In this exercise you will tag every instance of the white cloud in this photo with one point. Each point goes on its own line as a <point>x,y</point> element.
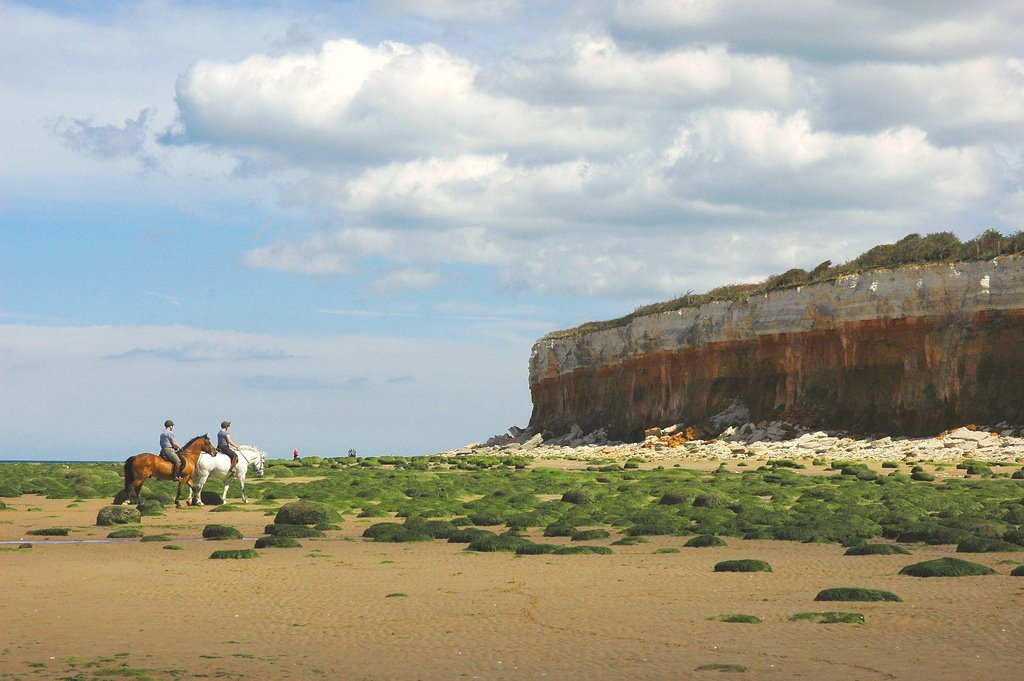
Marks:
<point>452,10</point>
<point>106,141</point>
<point>596,70</point>
<point>406,278</point>
<point>351,103</point>
<point>760,158</point>
<point>830,30</point>
<point>963,102</point>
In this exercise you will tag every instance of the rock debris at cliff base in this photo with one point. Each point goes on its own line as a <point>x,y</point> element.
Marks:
<point>998,445</point>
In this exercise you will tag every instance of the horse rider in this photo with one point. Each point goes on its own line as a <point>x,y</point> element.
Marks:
<point>226,445</point>
<point>169,450</point>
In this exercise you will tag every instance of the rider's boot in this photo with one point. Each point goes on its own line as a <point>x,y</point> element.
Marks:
<point>179,471</point>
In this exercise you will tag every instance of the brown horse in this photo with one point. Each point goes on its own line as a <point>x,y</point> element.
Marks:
<point>139,468</point>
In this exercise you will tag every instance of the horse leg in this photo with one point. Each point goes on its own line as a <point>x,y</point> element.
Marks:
<point>177,495</point>
<point>224,494</point>
<point>197,490</point>
<point>241,486</point>
<point>191,490</point>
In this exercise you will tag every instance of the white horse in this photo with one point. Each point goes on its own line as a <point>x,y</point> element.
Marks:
<point>217,466</point>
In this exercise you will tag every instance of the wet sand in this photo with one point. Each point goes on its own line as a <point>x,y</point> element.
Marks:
<point>346,608</point>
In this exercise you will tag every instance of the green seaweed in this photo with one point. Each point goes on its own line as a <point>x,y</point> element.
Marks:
<point>828,617</point>
<point>849,593</point>
<point>742,565</point>
<point>946,567</point>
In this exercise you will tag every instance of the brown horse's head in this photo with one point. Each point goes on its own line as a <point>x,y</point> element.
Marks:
<point>197,445</point>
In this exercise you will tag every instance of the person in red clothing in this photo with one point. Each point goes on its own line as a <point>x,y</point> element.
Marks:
<point>295,454</point>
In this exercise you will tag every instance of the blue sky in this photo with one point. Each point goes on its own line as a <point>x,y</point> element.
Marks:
<point>343,225</point>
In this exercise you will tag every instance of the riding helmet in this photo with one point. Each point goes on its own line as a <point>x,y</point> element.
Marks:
<point>168,423</point>
<point>225,424</point>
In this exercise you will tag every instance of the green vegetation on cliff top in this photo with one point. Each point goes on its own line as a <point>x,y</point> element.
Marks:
<point>912,249</point>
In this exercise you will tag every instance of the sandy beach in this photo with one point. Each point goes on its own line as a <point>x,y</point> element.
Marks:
<point>343,607</point>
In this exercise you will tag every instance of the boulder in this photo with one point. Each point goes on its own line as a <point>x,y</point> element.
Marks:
<point>118,515</point>
<point>736,414</point>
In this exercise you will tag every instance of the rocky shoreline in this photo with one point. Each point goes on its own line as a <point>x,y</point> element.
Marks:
<point>766,441</point>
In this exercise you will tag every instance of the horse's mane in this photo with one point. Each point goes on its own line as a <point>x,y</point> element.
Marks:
<point>197,437</point>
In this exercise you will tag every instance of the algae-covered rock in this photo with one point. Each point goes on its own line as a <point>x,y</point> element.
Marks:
<point>305,512</point>
<point>151,507</point>
<point>946,567</point>
<point>278,542</point>
<point>126,533</point>
<point>118,515</point>
<point>221,532</point>
<point>292,531</point>
<point>234,554</point>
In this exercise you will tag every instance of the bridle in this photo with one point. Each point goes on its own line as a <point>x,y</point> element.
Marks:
<point>248,462</point>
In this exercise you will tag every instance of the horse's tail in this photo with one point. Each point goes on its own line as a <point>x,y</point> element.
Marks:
<point>129,472</point>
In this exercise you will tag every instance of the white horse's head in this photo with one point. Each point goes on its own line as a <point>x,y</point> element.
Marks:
<point>256,457</point>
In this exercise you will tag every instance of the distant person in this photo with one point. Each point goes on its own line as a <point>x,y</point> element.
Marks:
<point>226,445</point>
<point>295,454</point>
<point>169,449</point>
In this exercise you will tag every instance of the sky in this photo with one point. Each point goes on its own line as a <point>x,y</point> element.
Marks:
<point>342,225</point>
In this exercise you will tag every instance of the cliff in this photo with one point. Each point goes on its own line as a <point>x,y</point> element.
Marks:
<point>913,351</point>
